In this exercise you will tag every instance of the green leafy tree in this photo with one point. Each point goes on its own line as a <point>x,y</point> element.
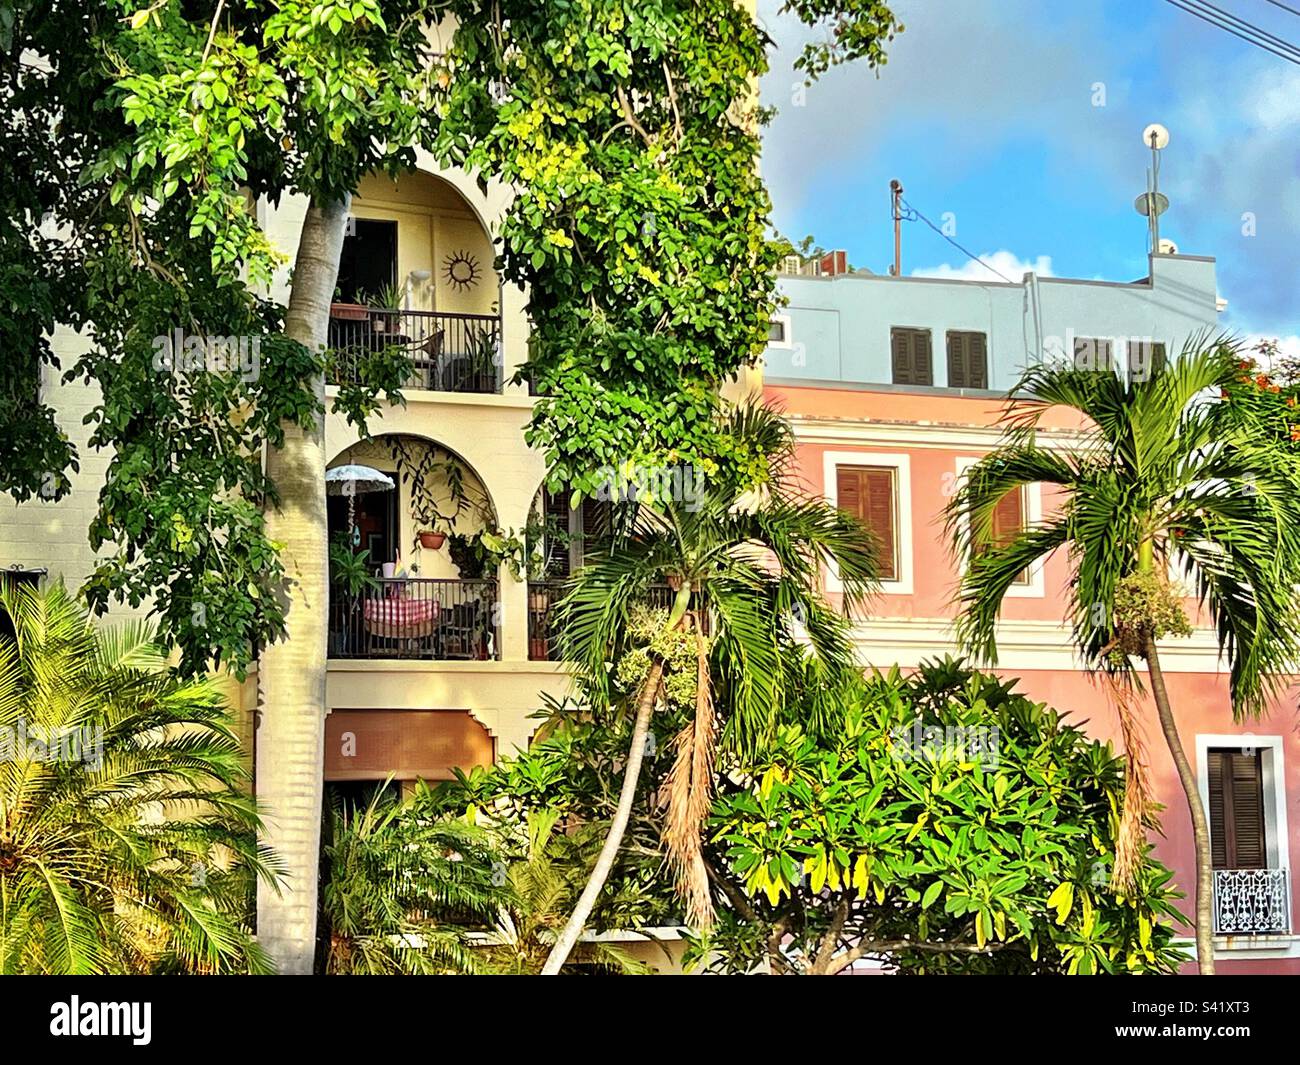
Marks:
<point>127,836</point>
<point>630,135</point>
<point>571,770</point>
<point>1164,476</point>
<point>744,565</point>
<point>638,224</point>
<point>951,826</point>
<point>402,893</point>
<point>544,880</point>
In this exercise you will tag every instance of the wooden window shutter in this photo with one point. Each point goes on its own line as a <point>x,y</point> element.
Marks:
<point>977,360</point>
<point>556,548</point>
<point>1008,517</point>
<point>910,356</point>
<point>1092,354</point>
<point>867,492</point>
<point>1008,520</point>
<point>1146,357</point>
<point>900,348</point>
<point>1237,835</point>
<point>967,360</point>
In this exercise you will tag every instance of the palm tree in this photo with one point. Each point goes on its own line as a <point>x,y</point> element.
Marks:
<point>127,835</point>
<point>404,891</point>
<point>743,563</point>
<point>1165,476</point>
<point>543,884</point>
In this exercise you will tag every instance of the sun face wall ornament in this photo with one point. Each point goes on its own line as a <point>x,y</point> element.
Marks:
<point>460,268</point>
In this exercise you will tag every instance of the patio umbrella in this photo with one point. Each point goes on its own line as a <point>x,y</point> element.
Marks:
<point>351,481</point>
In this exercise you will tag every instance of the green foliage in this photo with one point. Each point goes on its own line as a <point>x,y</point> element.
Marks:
<point>638,226</point>
<point>544,876</point>
<point>752,562</point>
<point>639,219</point>
<point>350,569</point>
<point>851,29</point>
<point>137,856</point>
<point>946,855</point>
<point>402,892</point>
<point>1164,476</point>
<point>572,772</point>
<point>1146,607</point>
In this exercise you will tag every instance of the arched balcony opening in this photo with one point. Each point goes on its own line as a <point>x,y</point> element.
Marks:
<point>417,273</point>
<point>566,538</point>
<point>407,579</point>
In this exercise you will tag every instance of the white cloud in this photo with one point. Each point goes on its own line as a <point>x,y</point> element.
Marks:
<point>1276,100</point>
<point>1006,263</point>
<point>1288,346</point>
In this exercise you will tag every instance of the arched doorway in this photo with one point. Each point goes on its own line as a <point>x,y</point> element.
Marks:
<point>416,273</point>
<point>406,580</point>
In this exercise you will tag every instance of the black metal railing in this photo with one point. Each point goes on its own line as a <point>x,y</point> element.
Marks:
<point>415,617</point>
<point>449,352</point>
<point>544,596</point>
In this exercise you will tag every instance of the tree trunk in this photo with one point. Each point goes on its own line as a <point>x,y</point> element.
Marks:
<point>1200,825</point>
<point>568,938</point>
<point>291,672</point>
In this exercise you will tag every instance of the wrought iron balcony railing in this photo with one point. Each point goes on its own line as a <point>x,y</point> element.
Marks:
<point>1251,902</point>
<point>410,617</point>
<point>449,352</point>
<point>544,596</point>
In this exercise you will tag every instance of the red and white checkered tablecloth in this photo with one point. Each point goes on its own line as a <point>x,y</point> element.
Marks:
<point>401,612</point>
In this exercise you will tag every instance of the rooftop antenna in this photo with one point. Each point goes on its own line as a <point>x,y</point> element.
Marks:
<point>1153,203</point>
<point>896,193</point>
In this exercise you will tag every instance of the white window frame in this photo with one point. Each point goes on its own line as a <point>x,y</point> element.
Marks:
<point>1277,838</point>
<point>902,466</point>
<point>1036,587</point>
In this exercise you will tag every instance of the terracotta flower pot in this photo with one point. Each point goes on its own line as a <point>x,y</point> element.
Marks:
<point>432,540</point>
<point>351,312</point>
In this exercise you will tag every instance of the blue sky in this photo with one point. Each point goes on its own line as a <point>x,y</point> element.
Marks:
<point>1023,118</point>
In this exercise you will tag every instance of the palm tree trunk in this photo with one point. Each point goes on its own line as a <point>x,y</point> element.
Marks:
<point>568,938</point>
<point>291,672</point>
<point>690,794</point>
<point>1200,825</point>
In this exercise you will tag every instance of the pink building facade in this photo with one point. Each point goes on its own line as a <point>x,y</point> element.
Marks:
<point>894,387</point>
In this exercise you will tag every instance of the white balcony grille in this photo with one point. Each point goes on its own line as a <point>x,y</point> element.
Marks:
<point>1251,902</point>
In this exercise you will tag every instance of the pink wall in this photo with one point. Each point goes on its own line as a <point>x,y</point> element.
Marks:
<point>1200,704</point>
<point>1200,700</point>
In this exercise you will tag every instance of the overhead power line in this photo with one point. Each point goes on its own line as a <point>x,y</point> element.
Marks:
<point>1240,28</point>
<point>1284,7</point>
<point>913,215</point>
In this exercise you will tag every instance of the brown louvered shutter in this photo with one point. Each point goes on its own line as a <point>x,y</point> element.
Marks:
<point>957,360</point>
<point>977,360</point>
<point>556,547</point>
<point>1236,810</point>
<point>1145,358</point>
<point>1092,354</point>
<point>900,348</point>
<point>911,357</point>
<point>1008,517</point>
<point>1008,520</point>
<point>967,360</point>
<point>597,526</point>
<point>867,492</point>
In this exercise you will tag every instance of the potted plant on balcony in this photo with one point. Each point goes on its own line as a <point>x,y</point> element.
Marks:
<point>422,467</point>
<point>350,577</point>
<point>470,370</point>
<point>384,305</point>
<point>348,311</point>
